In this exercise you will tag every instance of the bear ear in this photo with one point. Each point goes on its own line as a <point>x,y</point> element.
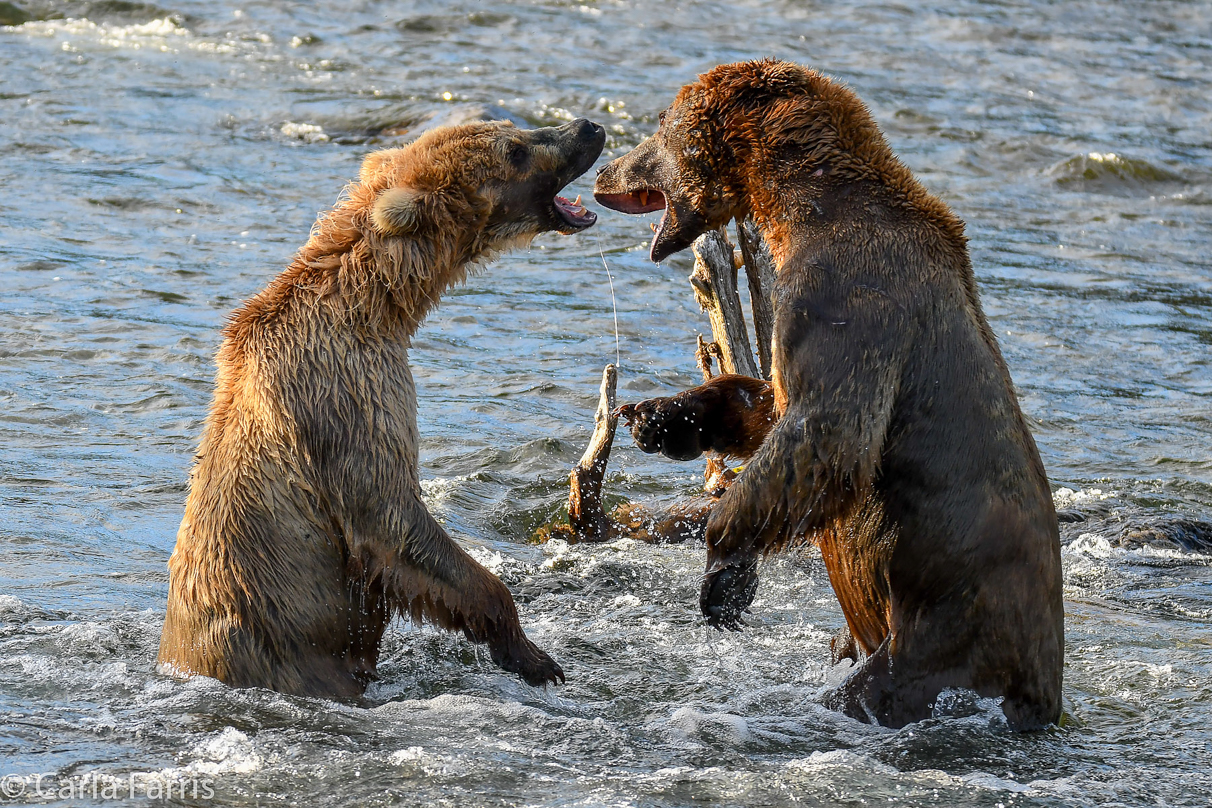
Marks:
<point>397,212</point>
<point>374,163</point>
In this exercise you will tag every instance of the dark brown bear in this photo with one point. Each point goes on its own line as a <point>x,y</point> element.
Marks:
<point>899,448</point>
<point>304,531</point>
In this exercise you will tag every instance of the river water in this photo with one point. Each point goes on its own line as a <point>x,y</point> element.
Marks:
<point>162,163</point>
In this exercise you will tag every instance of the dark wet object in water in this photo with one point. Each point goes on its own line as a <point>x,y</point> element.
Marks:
<point>1161,532</point>
<point>727,592</point>
<point>1188,535</point>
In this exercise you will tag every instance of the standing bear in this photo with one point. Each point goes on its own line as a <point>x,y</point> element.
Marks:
<point>304,530</point>
<point>898,445</point>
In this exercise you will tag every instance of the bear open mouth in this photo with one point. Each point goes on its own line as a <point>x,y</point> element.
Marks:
<point>644,200</point>
<point>574,214</point>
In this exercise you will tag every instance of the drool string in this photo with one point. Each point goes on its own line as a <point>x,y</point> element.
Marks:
<point>613,304</point>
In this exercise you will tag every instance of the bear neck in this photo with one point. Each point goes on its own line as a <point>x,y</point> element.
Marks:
<point>794,197</point>
<point>368,281</point>
<point>794,153</point>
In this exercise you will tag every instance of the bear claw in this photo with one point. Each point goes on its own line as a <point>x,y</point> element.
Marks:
<point>530,662</point>
<point>727,591</point>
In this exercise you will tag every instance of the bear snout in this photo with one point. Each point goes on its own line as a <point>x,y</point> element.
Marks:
<point>585,130</point>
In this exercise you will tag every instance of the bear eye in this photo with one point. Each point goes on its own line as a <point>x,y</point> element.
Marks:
<point>661,118</point>
<point>517,156</point>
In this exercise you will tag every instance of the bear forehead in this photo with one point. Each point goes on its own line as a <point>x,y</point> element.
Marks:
<point>743,85</point>
<point>467,151</point>
<point>691,103</point>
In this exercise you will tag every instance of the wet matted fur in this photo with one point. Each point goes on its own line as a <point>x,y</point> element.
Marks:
<point>304,529</point>
<point>899,446</point>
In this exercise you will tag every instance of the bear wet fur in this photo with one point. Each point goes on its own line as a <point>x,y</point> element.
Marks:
<point>304,530</point>
<point>899,446</point>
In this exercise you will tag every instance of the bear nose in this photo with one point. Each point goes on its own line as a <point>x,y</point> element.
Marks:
<point>584,129</point>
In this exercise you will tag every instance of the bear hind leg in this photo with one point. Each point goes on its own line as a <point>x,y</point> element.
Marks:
<point>867,690</point>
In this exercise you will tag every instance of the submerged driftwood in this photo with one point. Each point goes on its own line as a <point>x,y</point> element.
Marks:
<point>586,516</point>
<point>714,281</point>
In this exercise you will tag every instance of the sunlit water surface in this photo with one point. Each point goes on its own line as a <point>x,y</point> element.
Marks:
<point>160,164</point>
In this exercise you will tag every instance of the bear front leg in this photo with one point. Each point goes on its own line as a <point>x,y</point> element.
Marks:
<point>809,472</point>
<point>837,363</point>
<point>431,577</point>
<point>727,592</point>
<point>750,517</point>
<point>731,415</point>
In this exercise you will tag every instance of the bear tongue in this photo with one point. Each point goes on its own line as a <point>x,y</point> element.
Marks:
<point>644,200</point>
<point>574,211</point>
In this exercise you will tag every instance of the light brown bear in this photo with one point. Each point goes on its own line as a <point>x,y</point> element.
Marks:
<point>304,530</point>
<point>899,446</point>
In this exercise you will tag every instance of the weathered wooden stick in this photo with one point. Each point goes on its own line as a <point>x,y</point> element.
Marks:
<point>585,513</point>
<point>759,270</point>
<point>715,287</point>
<point>714,281</point>
<point>703,354</point>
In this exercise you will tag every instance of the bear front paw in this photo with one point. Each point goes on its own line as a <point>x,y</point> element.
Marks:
<point>727,591</point>
<point>666,425</point>
<point>528,661</point>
